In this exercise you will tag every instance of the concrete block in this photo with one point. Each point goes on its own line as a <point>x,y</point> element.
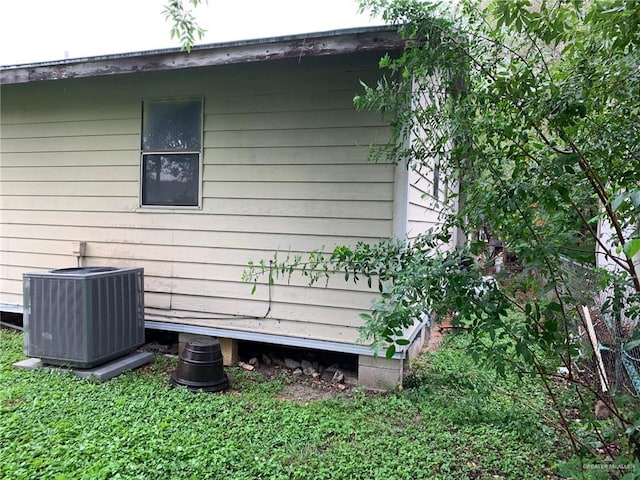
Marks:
<point>380,362</point>
<point>29,364</point>
<point>379,373</point>
<point>101,373</point>
<point>418,343</point>
<point>115,367</point>
<point>228,346</point>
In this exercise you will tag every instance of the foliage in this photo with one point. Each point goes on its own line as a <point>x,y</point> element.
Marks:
<point>184,26</point>
<point>535,117</point>
<point>532,108</point>
<point>412,278</point>
<point>55,425</point>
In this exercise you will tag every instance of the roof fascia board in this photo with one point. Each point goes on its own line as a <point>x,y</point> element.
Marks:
<point>299,46</point>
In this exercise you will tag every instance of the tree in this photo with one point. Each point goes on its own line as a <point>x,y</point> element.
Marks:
<point>184,26</point>
<point>534,110</point>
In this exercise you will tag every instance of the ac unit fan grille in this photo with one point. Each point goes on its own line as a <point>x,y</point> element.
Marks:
<point>83,320</point>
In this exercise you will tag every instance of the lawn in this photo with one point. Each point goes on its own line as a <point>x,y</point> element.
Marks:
<point>451,425</point>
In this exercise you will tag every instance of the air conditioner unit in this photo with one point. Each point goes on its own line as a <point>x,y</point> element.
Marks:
<point>83,317</point>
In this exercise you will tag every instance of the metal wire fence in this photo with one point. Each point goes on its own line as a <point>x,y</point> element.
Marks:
<point>601,334</point>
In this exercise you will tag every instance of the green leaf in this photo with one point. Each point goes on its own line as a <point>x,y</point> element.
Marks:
<point>563,191</point>
<point>632,247</point>
<point>631,345</point>
<point>555,307</point>
<point>391,351</point>
<point>402,341</point>
<point>617,201</point>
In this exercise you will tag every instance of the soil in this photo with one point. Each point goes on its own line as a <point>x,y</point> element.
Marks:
<point>435,339</point>
<point>298,388</point>
<point>307,389</point>
<point>301,390</point>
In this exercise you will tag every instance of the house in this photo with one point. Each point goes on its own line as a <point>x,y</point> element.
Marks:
<point>191,164</point>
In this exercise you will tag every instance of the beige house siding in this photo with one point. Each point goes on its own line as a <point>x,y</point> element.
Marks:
<point>428,189</point>
<point>426,198</point>
<point>423,207</point>
<point>284,168</point>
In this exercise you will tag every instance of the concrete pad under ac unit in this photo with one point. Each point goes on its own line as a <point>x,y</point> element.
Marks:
<point>101,373</point>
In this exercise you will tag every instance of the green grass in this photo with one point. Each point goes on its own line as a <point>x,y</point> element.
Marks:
<point>452,425</point>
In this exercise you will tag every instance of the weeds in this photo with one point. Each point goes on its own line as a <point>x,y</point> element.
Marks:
<point>452,425</point>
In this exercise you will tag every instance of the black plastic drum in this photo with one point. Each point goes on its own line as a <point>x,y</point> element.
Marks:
<point>200,367</point>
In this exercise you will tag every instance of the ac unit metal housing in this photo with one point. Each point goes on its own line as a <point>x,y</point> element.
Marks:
<point>83,317</point>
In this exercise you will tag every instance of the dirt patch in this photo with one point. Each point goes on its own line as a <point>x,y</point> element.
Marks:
<point>314,383</point>
<point>300,391</point>
<point>435,339</point>
<point>307,388</point>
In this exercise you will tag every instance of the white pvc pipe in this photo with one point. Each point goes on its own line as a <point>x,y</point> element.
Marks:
<point>594,343</point>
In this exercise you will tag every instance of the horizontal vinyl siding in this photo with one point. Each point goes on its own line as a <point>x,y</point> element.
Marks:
<point>423,210</point>
<point>218,206</point>
<point>283,224</point>
<point>71,143</point>
<point>285,168</point>
<point>62,130</point>
<point>31,159</point>
<point>164,236</point>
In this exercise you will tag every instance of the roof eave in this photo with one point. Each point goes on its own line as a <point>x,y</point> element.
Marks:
<point>259,50</point>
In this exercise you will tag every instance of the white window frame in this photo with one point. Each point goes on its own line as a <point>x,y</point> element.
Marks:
<point>144,153</point>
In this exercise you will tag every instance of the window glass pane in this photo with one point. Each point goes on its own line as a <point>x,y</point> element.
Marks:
<point>172,124</point>
<point>170,179</point>
<point>436,183</point>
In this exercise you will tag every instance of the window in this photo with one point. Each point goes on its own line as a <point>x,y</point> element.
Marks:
<point>171,152</point>
<point>436,183</point>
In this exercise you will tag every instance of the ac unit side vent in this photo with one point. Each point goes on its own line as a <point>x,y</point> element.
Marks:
<point>83,317</point>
